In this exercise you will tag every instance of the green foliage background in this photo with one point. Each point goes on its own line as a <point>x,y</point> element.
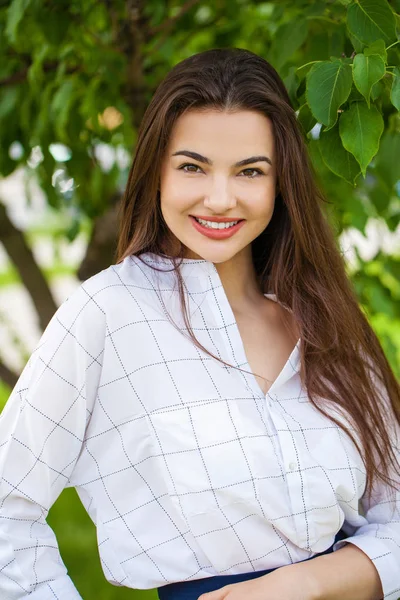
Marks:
<point>80,73</point>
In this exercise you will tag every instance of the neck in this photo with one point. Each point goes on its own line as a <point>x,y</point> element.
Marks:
<point>238,277</point>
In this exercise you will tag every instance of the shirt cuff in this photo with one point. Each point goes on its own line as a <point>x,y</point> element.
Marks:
<point>61,588</point>
<point>385,563</point>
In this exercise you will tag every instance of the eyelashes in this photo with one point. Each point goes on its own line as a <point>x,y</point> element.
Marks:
<point>256,172</point>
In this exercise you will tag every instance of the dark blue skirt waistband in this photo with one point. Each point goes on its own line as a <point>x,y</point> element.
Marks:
<point>191,590</point>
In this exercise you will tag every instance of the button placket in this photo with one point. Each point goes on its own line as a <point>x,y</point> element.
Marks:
<point>295,478</point>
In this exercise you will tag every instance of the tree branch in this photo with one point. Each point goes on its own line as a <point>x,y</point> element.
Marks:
<point>131,40</point>
<point>7,375</point>
<point>102,244</point>
<point>15,78</point>
<point>21,76</point>
<point>31,276</point>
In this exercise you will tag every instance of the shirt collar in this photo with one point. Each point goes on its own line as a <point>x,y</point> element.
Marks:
<point>201,277</point>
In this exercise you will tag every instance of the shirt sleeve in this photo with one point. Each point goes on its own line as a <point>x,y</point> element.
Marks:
<point>379,537</point>
<point>41,431</point>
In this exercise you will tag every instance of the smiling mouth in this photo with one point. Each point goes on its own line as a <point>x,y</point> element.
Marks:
<point>221,223</point>
<point>216,230</point>
<point>217,219</point>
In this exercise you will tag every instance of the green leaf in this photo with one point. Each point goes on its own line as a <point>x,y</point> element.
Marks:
<point>354,95</point>
<point>301,92</point>
<point>356,43</point>
<point>393,222</point>
<point>40,128</point>
<point>387,165</point>
<point>15,14</point>
<point>328,87</point>
<point>377,90</point>
<point>393,266</point>
<point>371,20</point>
<point>305,118</point>
<point>380,197</point>
<point>35,71</point>
<point>9,100</point>
<point>367,70</point>
<point>288,38</point>
<point>314,151</point>
<point>377,47</point>
<point>356,216</point>
<point>61,106</point>
<point>395,91</point>
<point>380,300</point>
<point>55,22</point>
<point>360,130</point>
<point>336,158</point>
<point>73,230</point>
<point>291,82</point>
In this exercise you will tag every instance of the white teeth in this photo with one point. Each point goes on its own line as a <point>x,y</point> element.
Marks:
<point>214,225</point>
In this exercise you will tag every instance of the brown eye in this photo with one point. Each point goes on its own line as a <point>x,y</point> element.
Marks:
<point>185,170</point>
<point>253,173</point>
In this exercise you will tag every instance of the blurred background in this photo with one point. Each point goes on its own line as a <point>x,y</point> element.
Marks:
<point>75,79</point>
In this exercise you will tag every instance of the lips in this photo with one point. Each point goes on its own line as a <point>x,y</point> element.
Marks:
<point>216,234</point>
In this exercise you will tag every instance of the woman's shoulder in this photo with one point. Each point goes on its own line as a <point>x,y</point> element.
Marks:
<point>104,293</point>
<point>102,290</point>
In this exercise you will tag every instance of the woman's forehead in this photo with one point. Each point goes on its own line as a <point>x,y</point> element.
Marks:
<point>215,132</point>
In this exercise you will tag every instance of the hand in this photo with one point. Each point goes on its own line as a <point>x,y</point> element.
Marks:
<point>289,582</point>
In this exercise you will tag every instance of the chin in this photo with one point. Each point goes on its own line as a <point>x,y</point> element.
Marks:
<point>212,256</point>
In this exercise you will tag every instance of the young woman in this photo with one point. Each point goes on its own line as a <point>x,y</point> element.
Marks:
<point>217,397</point>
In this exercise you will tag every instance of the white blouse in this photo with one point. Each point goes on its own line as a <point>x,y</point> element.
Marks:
<point>185,466</point>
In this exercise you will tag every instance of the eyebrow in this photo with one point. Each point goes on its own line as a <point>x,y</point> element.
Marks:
<point>204,159</point>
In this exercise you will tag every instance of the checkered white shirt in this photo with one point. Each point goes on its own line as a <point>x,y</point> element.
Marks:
<point>187,469</point>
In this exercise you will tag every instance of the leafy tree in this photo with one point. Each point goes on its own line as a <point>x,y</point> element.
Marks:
<point>81,72</point>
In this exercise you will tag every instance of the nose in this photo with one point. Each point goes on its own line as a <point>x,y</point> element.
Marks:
<point>220,197</point>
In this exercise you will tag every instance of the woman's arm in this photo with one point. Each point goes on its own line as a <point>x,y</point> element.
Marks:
<point>347,574</point>
<point>41,433</point>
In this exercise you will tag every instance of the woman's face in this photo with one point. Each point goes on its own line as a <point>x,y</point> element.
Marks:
<point>201,176</point>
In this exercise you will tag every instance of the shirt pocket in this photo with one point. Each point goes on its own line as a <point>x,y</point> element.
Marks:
<point>201,456</point>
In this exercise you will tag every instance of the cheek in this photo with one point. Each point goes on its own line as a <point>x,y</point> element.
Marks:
<point>176,192</point>
<point>262,201</point>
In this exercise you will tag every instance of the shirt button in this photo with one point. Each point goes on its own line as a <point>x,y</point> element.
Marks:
<point>292,466</point>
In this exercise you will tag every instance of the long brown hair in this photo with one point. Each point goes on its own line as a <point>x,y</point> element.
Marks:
<point>296,257</point>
